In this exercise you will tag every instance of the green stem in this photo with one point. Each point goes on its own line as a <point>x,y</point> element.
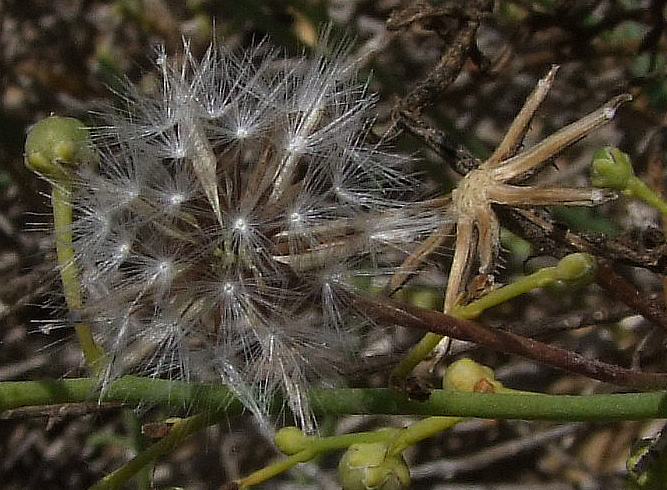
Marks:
<point>179,431</point>
<point>316,446</point>
<point>414,356</point>
<point>181,396</point>
<point>55,147</point>
<point>62,221</point>
<point>495,297</point>
<point>636,187</point>
<point>626,406</point>
<point>573,268</point>
<point>421,429</point>
<point>276,468</point>
<point>131,390</point>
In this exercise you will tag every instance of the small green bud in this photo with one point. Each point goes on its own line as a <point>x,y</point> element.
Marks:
<point>291,440</point>
<point>578,268</point>
<point>611,168</point>
<point>55,143</point>
<point>468,376</point>
<point>368,466</point>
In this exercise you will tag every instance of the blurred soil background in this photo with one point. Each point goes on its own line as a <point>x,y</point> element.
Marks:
<point>67,57</point>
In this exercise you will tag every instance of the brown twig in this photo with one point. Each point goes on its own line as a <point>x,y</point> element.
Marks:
<point>391,312</point>
<point>456,155</point>
<point>655,169</point>
<point>558,241</point>
<point>459,44</point>
<point>555,238</point>
<point>627,293</point>
<point>60,411</point>
<point>451,467</point>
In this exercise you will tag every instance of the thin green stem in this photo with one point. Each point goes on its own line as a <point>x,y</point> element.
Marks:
<point>636,187</point>
<point>414,356</point>
<point>495,297</point>
<point>395,441</point>
<point>572,268</point>
<point>316,445</point>
<point>276,468</point>
<point>55,147</point>
<point>69,275</point>
<point>183,396</point>
<point>421,429</point>
<point>179,431</point>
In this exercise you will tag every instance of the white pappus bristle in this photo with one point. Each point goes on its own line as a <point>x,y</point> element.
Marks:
<point>228,210</point>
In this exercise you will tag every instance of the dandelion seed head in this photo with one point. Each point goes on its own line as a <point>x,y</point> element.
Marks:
<point>123,250</point>
<point>222,230</point>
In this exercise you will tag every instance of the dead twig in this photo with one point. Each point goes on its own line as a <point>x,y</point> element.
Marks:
<point>458,27</point>
<point>60,411</point>
<point>626,292</point>
<point>391,312</point>
<point>559,241</point>
<point>449,468</point>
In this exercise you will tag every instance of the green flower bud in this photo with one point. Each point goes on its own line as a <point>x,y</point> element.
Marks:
<point>291,440</point>
<point>579,268</point>
<point>468,376</point>
<point>368,466</point>
<point>56,142</point>
<point>611,168</point>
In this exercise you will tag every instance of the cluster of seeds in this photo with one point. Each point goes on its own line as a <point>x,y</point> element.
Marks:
<point>228,214</point>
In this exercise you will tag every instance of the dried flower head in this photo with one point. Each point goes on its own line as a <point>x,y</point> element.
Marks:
<point>495,181</point>
<point>228,212</point>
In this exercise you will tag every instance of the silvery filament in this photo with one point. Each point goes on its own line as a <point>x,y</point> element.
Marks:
<point>229,211</point>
